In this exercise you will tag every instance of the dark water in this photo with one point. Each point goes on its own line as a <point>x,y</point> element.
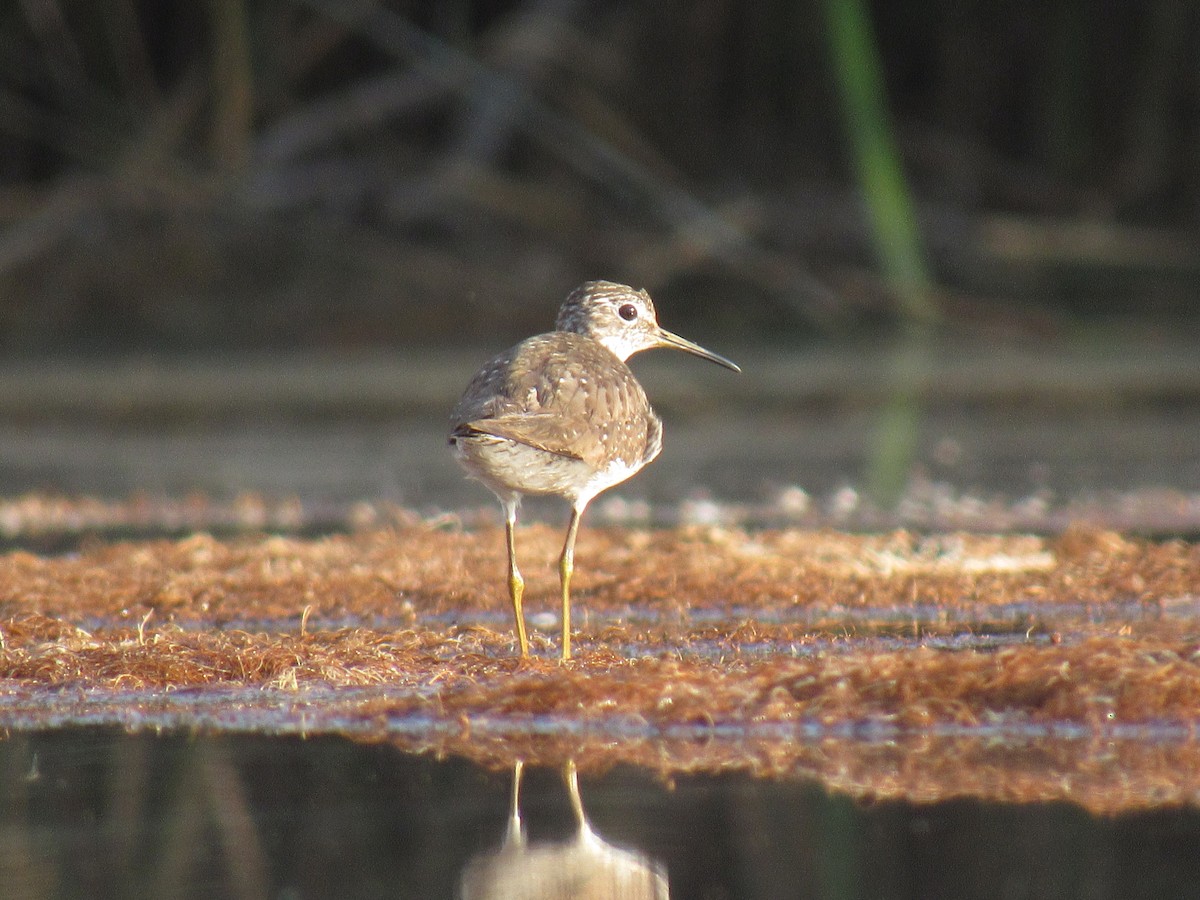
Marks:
<point>734,457</point>
<point>98,813</point>
<point>1081,427</point>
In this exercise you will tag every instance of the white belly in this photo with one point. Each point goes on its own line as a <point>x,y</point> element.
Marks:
<point>508,467</point>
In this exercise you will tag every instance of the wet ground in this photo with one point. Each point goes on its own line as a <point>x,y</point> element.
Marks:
<point>700,648</point>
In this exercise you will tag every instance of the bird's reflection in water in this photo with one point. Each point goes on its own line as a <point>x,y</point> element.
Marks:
<point>585,867</point>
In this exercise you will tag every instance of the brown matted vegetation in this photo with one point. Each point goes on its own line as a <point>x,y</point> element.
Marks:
<point>888,665</point>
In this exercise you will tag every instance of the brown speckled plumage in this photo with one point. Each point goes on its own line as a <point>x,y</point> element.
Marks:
<point>561,413</point>
<point>564,394</point>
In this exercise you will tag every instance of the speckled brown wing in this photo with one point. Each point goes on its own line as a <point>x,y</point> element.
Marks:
<point>563,393</point>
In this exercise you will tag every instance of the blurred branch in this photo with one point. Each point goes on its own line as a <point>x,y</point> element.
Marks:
<point>1085,242</point>
<point>233,112</point>
<point>159,141</point>
<point>1066,125</point>
<point>129,54</point>
<point>63,59</point>
<point>1170,47</point>
<point>76,141</point>
<point>496,103</point>
<point>56,216</point>
<point>588,153</point>
<point>146,167</point>
<point>365,104</point>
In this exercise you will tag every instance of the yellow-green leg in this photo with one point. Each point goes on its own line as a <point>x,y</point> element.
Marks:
<point>566,565</point>
<point>571,778</point>
<point>516,584</point>
<point>516,833</point>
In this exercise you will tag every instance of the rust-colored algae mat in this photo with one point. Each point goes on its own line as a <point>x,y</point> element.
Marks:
<point>897,665</point>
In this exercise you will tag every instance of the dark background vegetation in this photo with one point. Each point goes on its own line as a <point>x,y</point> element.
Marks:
<point>340,175</point>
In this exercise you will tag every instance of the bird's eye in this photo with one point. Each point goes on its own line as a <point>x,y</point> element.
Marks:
<point>628,312</point>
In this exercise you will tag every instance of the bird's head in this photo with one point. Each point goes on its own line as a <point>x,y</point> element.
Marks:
<point>624,321</point>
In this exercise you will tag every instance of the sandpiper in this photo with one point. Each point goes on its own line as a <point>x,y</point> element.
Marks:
<point>562,414</point>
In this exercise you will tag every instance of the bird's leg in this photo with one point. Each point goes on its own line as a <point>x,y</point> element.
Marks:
<point>516,584</point>
<point>566,565</point>
<point>516,831</point>
<point>571,778</point>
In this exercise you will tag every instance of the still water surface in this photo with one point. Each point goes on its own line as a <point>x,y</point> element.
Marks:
<point>100,813</point>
